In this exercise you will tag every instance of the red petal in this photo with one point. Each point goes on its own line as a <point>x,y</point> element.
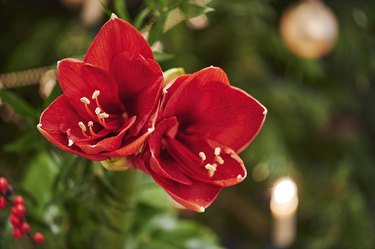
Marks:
<point>78,79</point>
<point>160,161</point>
<point>140,83</point>
<point>60,112</point>
<point>204,105</point>
<point>196,196</point>
<point>132,146</point>
<point>114,37</point>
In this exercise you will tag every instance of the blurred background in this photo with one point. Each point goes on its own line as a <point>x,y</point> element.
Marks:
<point>311,63</point>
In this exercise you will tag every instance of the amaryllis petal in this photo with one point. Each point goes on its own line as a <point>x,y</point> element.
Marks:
<point>81,80</point>
<point>160,162</point>
<point>216,110</point>
<point>51,122</point>
<point>196,196</point>
<point>114,37</point>
<point>132,146</point>
<point>140,81</point>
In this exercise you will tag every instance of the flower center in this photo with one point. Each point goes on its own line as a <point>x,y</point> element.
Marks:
<point>98,115</point>
<point>212,167</point>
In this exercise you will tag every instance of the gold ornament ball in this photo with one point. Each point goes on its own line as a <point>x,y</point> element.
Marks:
<point>309,29</point>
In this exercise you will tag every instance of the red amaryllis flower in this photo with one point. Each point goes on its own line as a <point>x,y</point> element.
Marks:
<point>108,98</point>
<point>202,123</point>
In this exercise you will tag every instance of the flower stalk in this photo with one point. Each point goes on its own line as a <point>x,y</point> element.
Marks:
<point>120,214</point>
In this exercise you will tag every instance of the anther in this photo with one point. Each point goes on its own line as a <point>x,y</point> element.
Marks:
<point>82,126</point>
<point>219,160</point>
<point>97,110</point>
<point>70,142</point>
<point>85,100</point>
<point>217,151</point>
<point>103,115</point>
<point>202,155</point>
<point>95,94</point>
<point>90,124</point>
<point>211,169</point>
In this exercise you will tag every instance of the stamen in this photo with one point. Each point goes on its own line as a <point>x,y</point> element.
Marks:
<point>202,156</point>
<point>90,124</point>
<point>97,110</point>
<point>103,115</point>
<point>95,94</point>
<point>211,169</point>
<point>82,126</point>
<point>85,100</point>
<point>217,151</point>
<point>219,160</point>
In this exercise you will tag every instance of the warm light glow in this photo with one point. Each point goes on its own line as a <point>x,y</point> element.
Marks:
<point>284,191</point>
<point>284,200</point>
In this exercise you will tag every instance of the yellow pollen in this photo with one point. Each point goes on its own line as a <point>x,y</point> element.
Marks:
<point>219,160</point>
<point>217,151</point>
<point>95,94</point>
<point>90,124</point>
<point>85,100</point>
<point>103,115</point>
<point>97,110</point>
<point>82,126</point>
<point>202,155</point>
<point>211,169</point>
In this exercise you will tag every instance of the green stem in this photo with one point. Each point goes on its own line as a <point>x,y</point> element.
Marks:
<point>120,214</point>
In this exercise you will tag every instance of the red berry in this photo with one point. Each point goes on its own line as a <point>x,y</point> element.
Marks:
<point>16,221</point>
<point>17,233</point>
<point>3,184</point>
<point>25,228</point>
<point>38,238</point>
<point>18,210</point>
<point>18,200</point>
<point>3,202</point>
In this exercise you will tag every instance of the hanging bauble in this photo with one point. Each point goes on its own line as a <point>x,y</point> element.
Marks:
<point>309,29</point>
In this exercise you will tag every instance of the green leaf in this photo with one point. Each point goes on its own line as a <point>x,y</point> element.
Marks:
<point>121,10</point>
<point>161,57</point>
<point>139,20</point>
<point>192,9</point>
<point>24,143</point>
<point>158,28</point>
<point>19,105</point>
<point>38,181</point>
<point>154,196</point>
<point>164,230</point>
